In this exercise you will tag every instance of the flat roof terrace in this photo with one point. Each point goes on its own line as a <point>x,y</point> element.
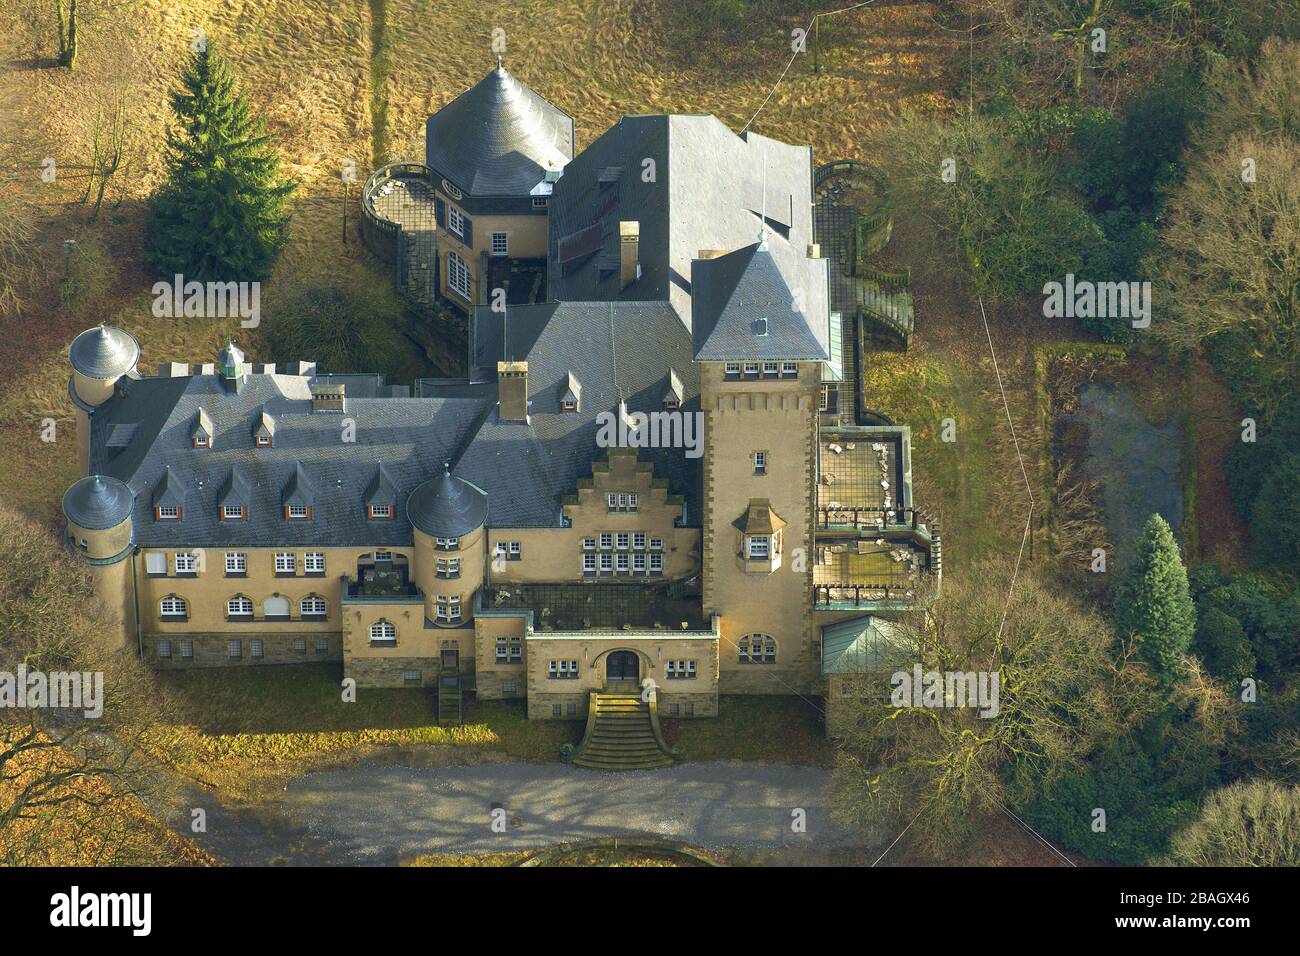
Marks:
<point>864,473</point>
<point>599,605</point>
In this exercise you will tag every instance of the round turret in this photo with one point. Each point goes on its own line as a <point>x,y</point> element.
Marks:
<point>447,515</point>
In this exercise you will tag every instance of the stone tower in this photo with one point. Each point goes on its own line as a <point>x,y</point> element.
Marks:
<point>99,357</point>
<point>99,528</point>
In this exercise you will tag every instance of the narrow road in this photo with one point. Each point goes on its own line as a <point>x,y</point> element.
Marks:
<point>373,815</point>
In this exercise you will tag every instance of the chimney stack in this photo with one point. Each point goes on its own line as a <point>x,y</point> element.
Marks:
<point>512,391</point>
<point>629,247</point>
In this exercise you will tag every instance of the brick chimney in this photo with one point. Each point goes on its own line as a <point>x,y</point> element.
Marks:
<point>629,249</point>
<point>512,391</point>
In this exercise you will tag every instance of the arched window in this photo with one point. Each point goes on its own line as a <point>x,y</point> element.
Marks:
<point>757,649</point>
<point>240,607</point>
<point>173,606</point>
<point>382,632</point>
<point>312,606</point>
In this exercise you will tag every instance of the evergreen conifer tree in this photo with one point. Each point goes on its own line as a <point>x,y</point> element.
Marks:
<point>1153,601</point>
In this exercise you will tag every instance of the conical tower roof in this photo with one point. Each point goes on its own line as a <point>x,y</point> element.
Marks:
<point>97,503</point>
<point>447,507</point>
<point>104,353</point>
<point>498,138</point>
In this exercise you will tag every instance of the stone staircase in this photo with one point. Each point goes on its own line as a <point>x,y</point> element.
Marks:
<point>449,698</point>
<point>622,734</point>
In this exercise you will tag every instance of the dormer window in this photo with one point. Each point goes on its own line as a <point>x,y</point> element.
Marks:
<point>167,513</point>
<point>264,430</point>
<point>297,512</point>
<point>379,511</point>
<point>673,392</point>
<point>760,326</point>
<point>758,547</point>
<point>200,441</point>
<point>202,432</point>
<point>263,441</point>
<point>571,400</point>
<point>233,512</point>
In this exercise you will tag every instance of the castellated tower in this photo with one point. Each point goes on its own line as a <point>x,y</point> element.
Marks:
<point>99,357</point>
<point>99,529</point>
<point>760,373</point>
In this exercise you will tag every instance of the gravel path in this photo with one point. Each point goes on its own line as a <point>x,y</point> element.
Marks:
<point>373,815</point>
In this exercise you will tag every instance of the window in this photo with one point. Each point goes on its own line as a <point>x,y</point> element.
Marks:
<point>381,556</point>
<point>606,563</point>
<point>621,540</point>
<point>239,608</point>
<point>447,608</point>
<point>759,547</point>
<point>757,649</point>
<point>556,711</point>
<point>681,670</point>
<point>451,190</point>
<point>235,649</point>
<point>200,441</point>
<point>771,368</point>
<point>449,567</point>
<point>516,551</point>
<point>588,564</point>
<point>656,544</point>
<point>313,562</point>
<point>760,463</point>
<point>174,607</point>
<point>187,650</point>
<point>381,511</point>
<point>298,512</point>
<point>382,632</point>
<point>571,709</point>
<point>638,563</point>
<point>300,645</point>
<point>751,368</point>
<point>414,678</point>
<point>236,562</point>
<point>638,540</point>
<point>674,710</point>
<point>509,687</point>
<point>232,512</point>
<point>656,564</point>
<point>444,544</point>
<point>622,502</point>
<point>285,562</point>
<point>539,202</point>
<point>456,221</point>
<point>825,399</point>
<point>607,539</point>
<point>322,645</point>
<point>731,369</point>
<point>588,544</point>
<point>510,650</point>
<point>186,562</point>
<point>457,275</point>
<point>623,564</point>
<point>312,607</point>
<point>569,405</point>
<point>168,513</point>
<point>688,710</point>
<point>789,368</point>
<point>263,441</point>
<point>500,244</point>
<point>155,562</point>
<point>164,648</point>
<point>562,670</point>
<point>255,648</point>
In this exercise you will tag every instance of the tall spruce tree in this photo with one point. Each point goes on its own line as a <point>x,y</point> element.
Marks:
<point>220,215</point>
<point>1153,601</point>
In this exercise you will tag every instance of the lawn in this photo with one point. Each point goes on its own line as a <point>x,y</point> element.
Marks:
<point>771,729</point>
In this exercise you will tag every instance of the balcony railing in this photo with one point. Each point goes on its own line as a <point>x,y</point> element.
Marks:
<point>867,595</point>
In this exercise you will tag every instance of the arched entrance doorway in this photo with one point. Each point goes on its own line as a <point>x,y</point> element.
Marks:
<point>622,666</point>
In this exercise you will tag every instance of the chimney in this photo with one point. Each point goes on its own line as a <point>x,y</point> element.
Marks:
<point>327,398</point>
<point>629,246</point>
<point>512,391</point>
<point>814,250</point>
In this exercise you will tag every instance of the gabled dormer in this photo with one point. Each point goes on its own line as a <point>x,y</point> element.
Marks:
<point>168,498</point>
<point>264,430</point>
<point>381,496</point>
<point>299,497</point>
<point>571,400</point>
<point>201,433</point>
<point>235,496</point>
<point>673,391</point>
<point>760,537</point>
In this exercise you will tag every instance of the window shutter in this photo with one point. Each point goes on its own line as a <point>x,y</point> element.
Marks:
<point>469,233</point>
<point>440,212</point>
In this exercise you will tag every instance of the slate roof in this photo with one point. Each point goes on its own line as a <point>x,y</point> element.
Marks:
<point>412,437</point>
<point>104,353</point>
<point>446,506</point>
<point>743,308</point>
<point>498,138</point>
<point>710,191</point>
<point>97,503</point>
<point>624,351</point>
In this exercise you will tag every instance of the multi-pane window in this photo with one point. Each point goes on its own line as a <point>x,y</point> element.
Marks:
<point>562,670</point>
<point>448,567</point>
<point>169,513</point>
<point>621,540</point>
<point>186,562</point>
<point>300,645</point>
<point>510,650</point>
<point>656,564</point>
<point>447,608</point>
<point>381,511</point>
<point>232,512</point>
<point>731,368</point>
<point>638,540</point>
<point>164,648</point>
<point>285,562</point>
<point>239,607</point>
<point>313,562</point>
<point>173,606</point>
<point>236,562</point>
<point>200,441</point>
<point>235,648</point>
<point>255,648</point>
<point>771,368</point>
<point>322,645</point>
<point>789,368</point>
<point>681,670</point>
<point>607,539</point>
<point>759,547</point>
<point>187,650</point>
<point>751,368</point>
<point>412,678</point>
<point>588,544</point>
<point>656,544</point>
<point>760,463</point>
<point>457,275</point>
<point>299,512</point>
<point>312,606</point>
<point>500,244</point>
<point>622,502</point>
<point>381,556</point>
<point>757,649</point>
<point>445,544</point>
<point>606,563</point>
<point>638,563</point>
<point>516,550</point>
<point>263,441</point>
<point>588,564</point>
<point>456,221</point>
<point>622,563</point>
<point>382,632</point>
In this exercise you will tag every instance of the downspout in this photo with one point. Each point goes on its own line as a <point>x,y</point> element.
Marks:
<point>135,604</point>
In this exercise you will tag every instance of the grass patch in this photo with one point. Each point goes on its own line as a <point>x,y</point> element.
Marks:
<point>792,732</point>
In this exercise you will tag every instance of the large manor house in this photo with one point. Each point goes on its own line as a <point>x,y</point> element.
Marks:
<point>477,535</point>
